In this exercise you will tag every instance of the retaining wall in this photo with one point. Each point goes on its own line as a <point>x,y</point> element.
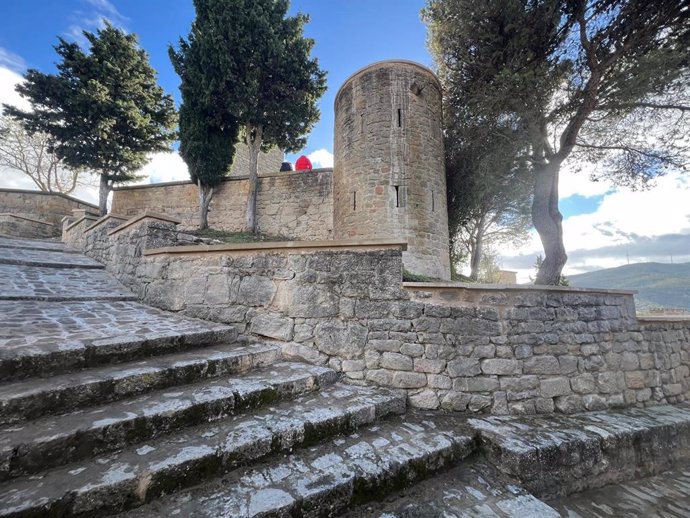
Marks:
<point>513,350</point>
<point>296,205</point>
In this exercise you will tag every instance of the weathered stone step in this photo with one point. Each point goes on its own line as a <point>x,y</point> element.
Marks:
<point>554,455</point>
<point>328,479</point>
<point>35,244</point>
<point>31,399</point>
<point>56,284</point>
<point>27,448</point>
<point>474,489</point>
<point>47,258</point>
<point>124,480</point>
<point>67,336</point>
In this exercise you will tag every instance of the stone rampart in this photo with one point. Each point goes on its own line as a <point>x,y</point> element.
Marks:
<point>22,226</point>
<point>40,206</point>
<point>511,350</point>
<point>297,205</point>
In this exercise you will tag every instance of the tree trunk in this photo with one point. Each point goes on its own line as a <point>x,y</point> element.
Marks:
<point>547,221</point>
<point>254,139</point>
<point>103,192</point>
<point>205,196</point>
<point>477,249</point>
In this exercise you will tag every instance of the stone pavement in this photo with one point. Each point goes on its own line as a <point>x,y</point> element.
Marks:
<point>108,406</point>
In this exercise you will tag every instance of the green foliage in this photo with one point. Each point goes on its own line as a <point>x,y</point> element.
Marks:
<point>263,75</point>
<point>603,81</point>
<point>103,109</point>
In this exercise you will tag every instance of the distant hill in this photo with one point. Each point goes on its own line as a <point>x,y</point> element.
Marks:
<point>658,284</point>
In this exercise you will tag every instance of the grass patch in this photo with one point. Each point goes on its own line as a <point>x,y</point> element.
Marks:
<point>237,237</point>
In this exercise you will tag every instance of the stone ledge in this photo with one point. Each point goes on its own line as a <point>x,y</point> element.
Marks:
<point>233,178</point>
<point>348,244</point>
<point>145,215</point>
<point>45,193</point>
<point>105,218</point>
<point>9,214</point>
<point>85,217</point>
<point>421,286</point>
<point>666,318</point>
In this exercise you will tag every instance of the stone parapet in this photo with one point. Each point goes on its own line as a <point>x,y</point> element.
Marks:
<point>23,226</point>
<point>469,348</point>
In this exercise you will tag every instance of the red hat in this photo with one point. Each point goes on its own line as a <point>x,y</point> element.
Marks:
<point>303,164</point>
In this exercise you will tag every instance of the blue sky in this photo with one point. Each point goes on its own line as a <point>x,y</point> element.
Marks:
<point>349,34</point>
<point>603,226</point>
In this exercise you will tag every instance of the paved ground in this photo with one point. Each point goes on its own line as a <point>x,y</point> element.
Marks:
<point>35,244</point>
<point>665,495</point>
<point>19,282</point>
<point>46,258</point>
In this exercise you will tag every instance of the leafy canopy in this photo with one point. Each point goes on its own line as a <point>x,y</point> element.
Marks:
<point>103,109</point>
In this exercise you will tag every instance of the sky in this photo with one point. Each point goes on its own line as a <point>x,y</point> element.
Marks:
<point>603,226</point>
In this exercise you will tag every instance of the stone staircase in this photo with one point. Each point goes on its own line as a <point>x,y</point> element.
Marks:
<point>106,404</point>
<point>110,407</point>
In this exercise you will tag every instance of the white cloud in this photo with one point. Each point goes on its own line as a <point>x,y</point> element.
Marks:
<point>635,226</point>
<point>164,167</point>
<point>575,179</point>
<point>321,158</point>
<point>8,95</point>
<point>93,18</point>
<point>12,61</point>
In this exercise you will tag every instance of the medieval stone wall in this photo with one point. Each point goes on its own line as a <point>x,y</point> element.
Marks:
<point>518,350</point>
<point>38,205</point>
<point>269,162</point>
<point>297,205</point>
<point>389,173</point>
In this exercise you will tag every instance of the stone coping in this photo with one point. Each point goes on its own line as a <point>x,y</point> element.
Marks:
<point>357,245</point>
<point>663,318</point>
<point>105,218</point>
<point>26,218</point>
<point>86,217</point>
<point>44,193</point>
<point>227,179</point>
<point>509,287</point>
<point>145,215</point>
<point>386,63</point>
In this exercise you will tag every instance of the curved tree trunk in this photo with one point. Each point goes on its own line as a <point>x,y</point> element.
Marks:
<point>205,196</point>
<point>103,192</point>
<point>547,221</point>
<point>254,139</point>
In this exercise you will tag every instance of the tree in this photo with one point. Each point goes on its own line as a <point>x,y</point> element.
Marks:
<point>597,80</point>
<point>30,154</point>
<point>266,78</point>
<point>103,110</point>
<point>207,135</point>
<point>490,267</point>
<point>488,192</point>
<point>562,281</point>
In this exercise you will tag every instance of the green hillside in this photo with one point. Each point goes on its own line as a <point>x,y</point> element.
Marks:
<point>658,284</point>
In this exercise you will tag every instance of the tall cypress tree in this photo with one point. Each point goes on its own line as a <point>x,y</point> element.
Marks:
<point>103,109</point>
<point>259,71</point>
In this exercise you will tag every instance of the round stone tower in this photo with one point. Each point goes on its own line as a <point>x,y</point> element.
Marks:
<point>389,178</point>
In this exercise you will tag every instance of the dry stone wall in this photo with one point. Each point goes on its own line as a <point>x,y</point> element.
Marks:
<point>42,206</point>
<point>22,226</point>
<point>504,351</point>
<point>297,205</point>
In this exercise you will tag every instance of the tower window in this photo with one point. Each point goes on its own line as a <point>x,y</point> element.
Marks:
<point>354,201</point>
<point>361,123</point>
<point>400,195</point>
<point>433,202</point>
<point>399,118</point>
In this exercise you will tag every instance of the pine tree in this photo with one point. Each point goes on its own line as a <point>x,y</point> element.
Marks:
<point>103,110</point>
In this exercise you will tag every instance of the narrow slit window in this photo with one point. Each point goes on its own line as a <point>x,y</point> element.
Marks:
<point>399,118</point>
<point>397,195</point>
<point>354,201</point>
<point>400,196</point>
<point>433,202</point>
<point>361,123</point>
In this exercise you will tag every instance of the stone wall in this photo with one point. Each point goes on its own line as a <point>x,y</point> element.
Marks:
<point>297,205</point>
<point>511,350</point>
<point>22,226</point>
<point>269,162</point>
<point>38,205</point>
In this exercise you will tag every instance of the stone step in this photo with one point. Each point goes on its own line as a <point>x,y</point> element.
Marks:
<point>35,244</point>
<point>328,479</point>
<point>31,399</point>
<point>129,478</point>
<point>45,443</point>
<point>57,284</point>
<point>47,258</point>
<point>67,336</point>
<point>474,489</point>
<point>553,456</point>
